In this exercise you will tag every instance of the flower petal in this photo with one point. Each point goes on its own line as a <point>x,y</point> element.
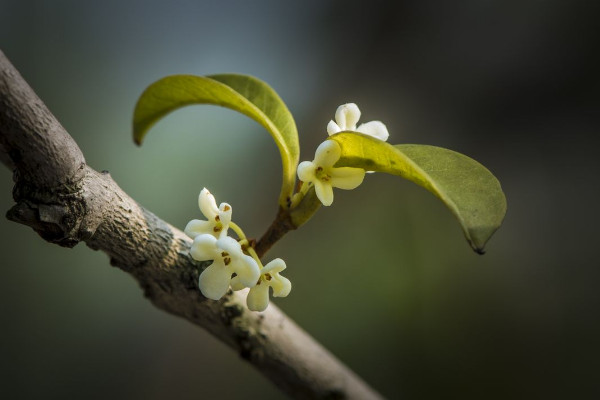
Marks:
<point>327,154</point>
<point>204,248</point>
<point>374,128</point>
<point>324,192</point>
<point>236,284</point>
<point>230,245</point>
<point>246,269</point>
<point>225,211</point>
<point>346,116</point>
<point>258,297</point>
<point>207,204</point>
<point>306,171</point>
<point>346,177</point>
<point>333,128</point>
<point>198,227</point>
<point>214,280</point>
<point>281,286</point>
<point>274,266</point>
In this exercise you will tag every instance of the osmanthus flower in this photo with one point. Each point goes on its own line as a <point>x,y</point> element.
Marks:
<point>258,296</point>
<point>218,218</point>
<point>346,118</point>
<point>228,258</point>
<point>324,176</point>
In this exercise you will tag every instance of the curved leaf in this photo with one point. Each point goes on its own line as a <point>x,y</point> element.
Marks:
<point>469,190</point>
<point>242,93</point>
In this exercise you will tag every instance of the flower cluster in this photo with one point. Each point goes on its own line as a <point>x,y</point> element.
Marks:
<point>321,172</point>
<point>233,265</point>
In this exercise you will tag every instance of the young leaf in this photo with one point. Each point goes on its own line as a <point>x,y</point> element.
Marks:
<point>242,93</point>
<point>467,188</point>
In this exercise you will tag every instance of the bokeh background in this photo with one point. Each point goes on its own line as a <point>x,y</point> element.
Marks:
<point>383,278</point>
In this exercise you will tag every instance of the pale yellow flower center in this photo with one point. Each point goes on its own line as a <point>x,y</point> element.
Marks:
<point>322,175</point>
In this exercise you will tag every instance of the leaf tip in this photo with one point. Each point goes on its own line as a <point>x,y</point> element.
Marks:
<point>479,238</point>
<point>477,245</point>
<point>138,134</point>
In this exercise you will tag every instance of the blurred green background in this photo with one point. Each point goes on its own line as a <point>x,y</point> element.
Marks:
<point>384,279</point>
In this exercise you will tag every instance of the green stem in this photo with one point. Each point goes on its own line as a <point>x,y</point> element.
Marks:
<point>253,254</point>
<point>299,195</point>
<point>238,231</point>
<point>306,208</point>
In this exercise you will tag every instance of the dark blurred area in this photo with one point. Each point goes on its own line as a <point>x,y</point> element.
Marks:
<point>384,278</point>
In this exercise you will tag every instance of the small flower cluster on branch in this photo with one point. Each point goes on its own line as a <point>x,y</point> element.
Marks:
<point>234,262</point>
<point>321,173</point>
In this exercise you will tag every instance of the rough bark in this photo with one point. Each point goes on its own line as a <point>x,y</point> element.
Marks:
<point>67,202</point>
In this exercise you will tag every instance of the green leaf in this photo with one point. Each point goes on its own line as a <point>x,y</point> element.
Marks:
<point>242,93</point>
<point>467,188</point>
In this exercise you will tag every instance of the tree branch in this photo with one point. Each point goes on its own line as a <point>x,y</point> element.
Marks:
<point>66,202</point>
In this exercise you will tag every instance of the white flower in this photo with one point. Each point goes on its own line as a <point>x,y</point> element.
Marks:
<point>228,259</point>
<point>322,174</point>
<point>218,219</point>
<point>258,296</point>
<point>346,118</point>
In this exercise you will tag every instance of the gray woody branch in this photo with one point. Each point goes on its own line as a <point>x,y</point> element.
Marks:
<point>67,202</point>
